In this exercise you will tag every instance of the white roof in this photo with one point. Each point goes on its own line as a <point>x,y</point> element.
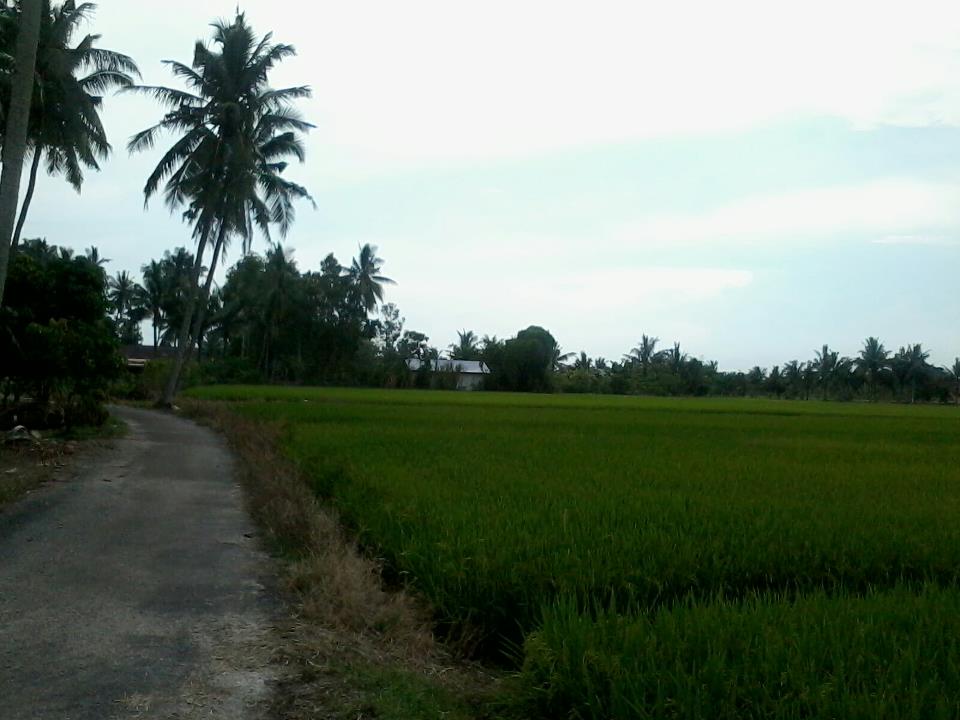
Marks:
<point>465,367</point>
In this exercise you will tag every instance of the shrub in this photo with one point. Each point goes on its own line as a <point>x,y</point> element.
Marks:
<point>57,346</point>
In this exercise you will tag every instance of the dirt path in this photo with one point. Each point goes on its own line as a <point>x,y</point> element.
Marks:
<point>135,589</point>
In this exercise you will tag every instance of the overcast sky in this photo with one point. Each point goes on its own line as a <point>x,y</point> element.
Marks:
<point>753,179</point>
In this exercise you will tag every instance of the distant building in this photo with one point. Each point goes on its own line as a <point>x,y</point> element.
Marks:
<point>137,356</point>
<point>470,373</point>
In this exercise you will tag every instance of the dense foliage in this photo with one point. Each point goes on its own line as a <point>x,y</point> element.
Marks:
<point>65,133</point>
<point>57,345</point>
<point>271,322</point>
<point>661,555</point>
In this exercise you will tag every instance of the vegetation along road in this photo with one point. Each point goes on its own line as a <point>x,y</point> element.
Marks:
<point>133,591</point>
<point>657,557</point>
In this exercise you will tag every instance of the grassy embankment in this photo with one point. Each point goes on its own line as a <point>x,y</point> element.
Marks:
<point>689,558</point>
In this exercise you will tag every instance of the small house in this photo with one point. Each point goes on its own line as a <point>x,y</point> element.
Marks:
<point>470,373</point>
<point>137,356</point>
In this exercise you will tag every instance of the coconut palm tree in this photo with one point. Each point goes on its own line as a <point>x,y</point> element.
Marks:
<point>126,298</point>
<point>793,377</point>
<point>93,255</point>
<point>17,126</point>
<point>121,292</point>
<point>559,358</point>
<point>65,131</point>
<point>154,292</point>
<point>583,362</point>
<point>645,353</point>
<point>235,134</point>
<point>676,358</point>
<point>825,364</point>
<point>466,347</point>
<point>278,287</point>
<point>366,280</point>
<point>953,373</point>
<point>910,367</point>
<point>872,362</point>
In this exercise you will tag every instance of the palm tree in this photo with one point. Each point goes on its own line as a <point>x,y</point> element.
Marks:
<point>583,362</point>
<point>910,366</point>
<point>17,126</point>
<point>676,359</point>
<point>93,255</point>
<point>776,382</point>
<point>278,285</point>
<point>645,352</point>
<point>825,365</point>
<point>366,279</point>
<point>126,299</point>
<point>235,134</point>
<point>954,374</point>
<point>120,293</point>
<point>154,291</point>
<point>793,377</point>
<point>466,347</point>
<point>65,126</point>
<point>873,361</point>
<point>558,357</point>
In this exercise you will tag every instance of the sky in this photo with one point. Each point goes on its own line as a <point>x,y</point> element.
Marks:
<point>751,179</point>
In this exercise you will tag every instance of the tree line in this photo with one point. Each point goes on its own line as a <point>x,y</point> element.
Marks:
<point>270,322</point>
<point>230,138</point>
<point>233,137</point>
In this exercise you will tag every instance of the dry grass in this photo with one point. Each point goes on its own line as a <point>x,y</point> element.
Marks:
<point>23,468</point>
<point>347,631</point>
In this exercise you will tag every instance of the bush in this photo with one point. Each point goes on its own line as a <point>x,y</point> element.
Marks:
<point>57,346</point>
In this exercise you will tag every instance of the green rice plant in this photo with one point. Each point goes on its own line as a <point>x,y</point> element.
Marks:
<point>892,654</point>
<point>517,516</point>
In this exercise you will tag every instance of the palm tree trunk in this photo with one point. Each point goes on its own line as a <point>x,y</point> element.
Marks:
<point>207,286</point>
<point>183,336</point>
<point>18,121</point>
<point>31,186</point>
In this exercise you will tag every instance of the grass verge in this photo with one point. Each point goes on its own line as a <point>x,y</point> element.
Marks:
<point>353,648</point>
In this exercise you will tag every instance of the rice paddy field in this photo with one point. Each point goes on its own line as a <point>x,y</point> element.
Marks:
<point>648,558</point>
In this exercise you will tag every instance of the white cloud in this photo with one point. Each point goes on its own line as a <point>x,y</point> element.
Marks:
<point>433,82</point>
<point>917,240</point>
<point>890,207</point>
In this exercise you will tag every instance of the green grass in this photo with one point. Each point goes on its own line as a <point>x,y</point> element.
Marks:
<point>698,514</point>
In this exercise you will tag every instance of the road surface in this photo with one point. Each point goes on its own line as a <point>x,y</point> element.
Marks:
<point>136,588</point>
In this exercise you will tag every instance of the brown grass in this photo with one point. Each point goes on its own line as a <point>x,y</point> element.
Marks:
<point>25,467</point>
<point>341,612</point>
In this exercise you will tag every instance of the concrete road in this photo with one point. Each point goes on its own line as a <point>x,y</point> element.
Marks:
<point>135,589</point>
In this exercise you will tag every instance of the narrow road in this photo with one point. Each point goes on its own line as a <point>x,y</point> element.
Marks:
<point>134,590</point>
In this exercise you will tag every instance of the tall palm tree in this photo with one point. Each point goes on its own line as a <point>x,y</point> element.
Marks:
<point>910,367</point>
<point>154,291</point>
<point>17,126</point>
<point>953,373</point>
<point>121,291</point>
<point>825,365</point>
<point>235,134</point>
<point>466,347</point>
<point>366,279</point>
<point>793,376</point>
<point>65,127</point>
<point>873,361</point>
<point>558,357</point>
<point>278,283</point>
<point>645,352</point>
<point>676,358</point>
<point>93,255</point>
